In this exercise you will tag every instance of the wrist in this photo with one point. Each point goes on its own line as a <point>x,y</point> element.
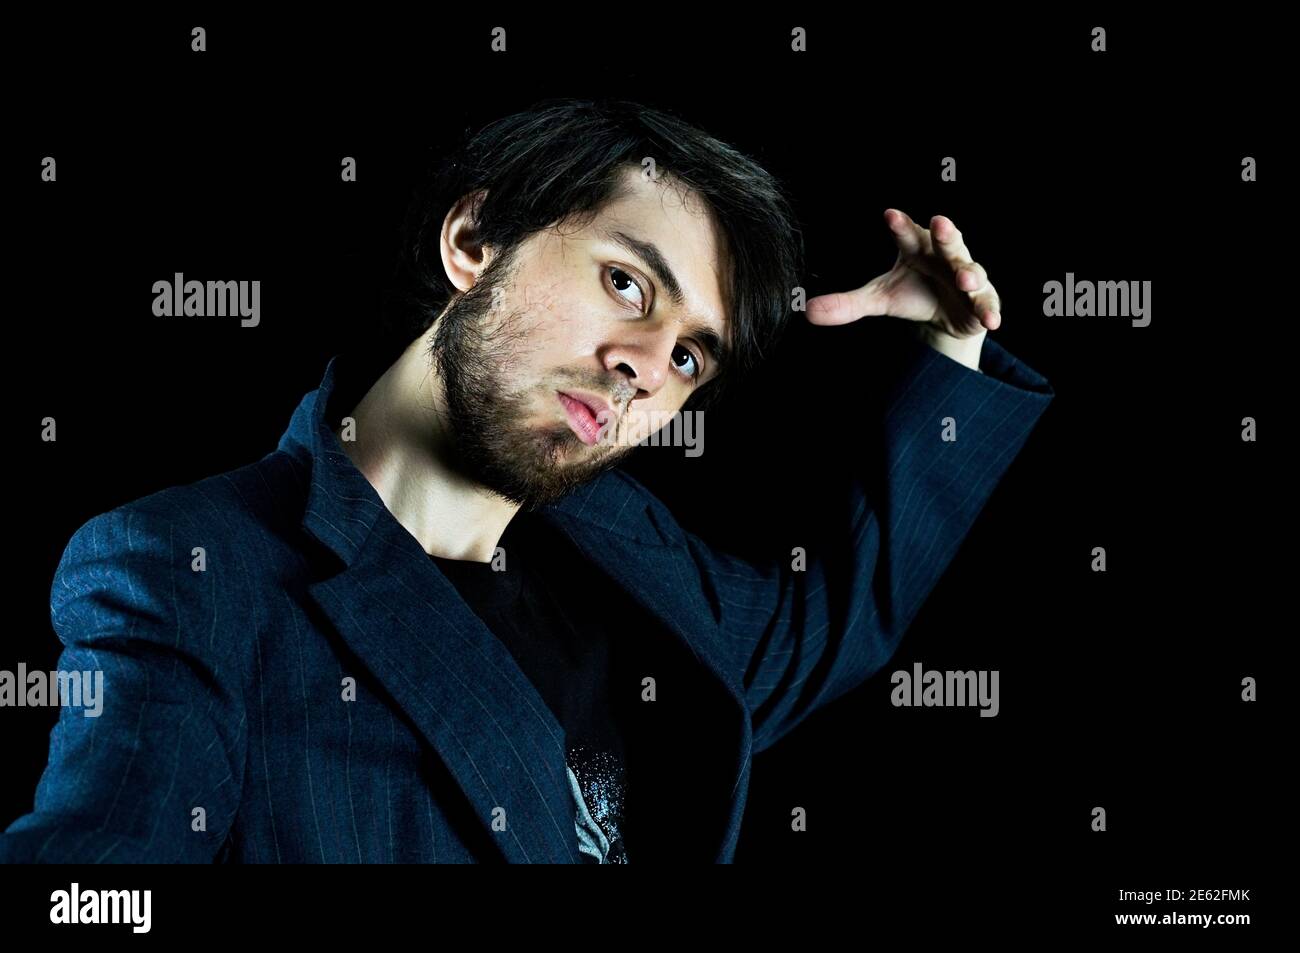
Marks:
<point>965,351</point>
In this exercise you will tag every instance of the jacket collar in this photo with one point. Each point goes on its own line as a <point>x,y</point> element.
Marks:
<point>411,630</point>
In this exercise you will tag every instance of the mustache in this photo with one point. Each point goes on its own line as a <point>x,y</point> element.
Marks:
<point>618,393</point>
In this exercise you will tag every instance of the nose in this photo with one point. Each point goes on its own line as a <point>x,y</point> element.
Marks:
<point>642,352</point>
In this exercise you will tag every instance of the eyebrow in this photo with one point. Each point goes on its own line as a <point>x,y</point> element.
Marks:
<point>653,259</point>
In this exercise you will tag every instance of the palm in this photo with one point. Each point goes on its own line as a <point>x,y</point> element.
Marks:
<point>911,290</point>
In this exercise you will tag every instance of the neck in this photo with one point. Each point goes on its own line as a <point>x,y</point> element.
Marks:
<point>403,448</point>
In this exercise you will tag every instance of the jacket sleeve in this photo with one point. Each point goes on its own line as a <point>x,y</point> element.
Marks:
<point>123,786</point>
<point>804,636</point>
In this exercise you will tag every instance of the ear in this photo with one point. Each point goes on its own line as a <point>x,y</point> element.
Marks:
<point>463,255</point>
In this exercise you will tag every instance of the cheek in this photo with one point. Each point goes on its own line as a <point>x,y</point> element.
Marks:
<point>563,330</point>
<point>643,421</point>
<point>541,300</point>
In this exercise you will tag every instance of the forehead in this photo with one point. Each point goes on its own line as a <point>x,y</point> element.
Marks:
<point>680,224</point>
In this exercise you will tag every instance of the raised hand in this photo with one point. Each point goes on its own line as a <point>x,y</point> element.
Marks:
<point>934,282</point>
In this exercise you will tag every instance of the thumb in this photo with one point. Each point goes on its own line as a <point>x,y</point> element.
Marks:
<point>844,307</point>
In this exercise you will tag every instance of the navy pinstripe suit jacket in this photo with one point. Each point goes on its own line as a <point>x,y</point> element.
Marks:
<point>223,687</point>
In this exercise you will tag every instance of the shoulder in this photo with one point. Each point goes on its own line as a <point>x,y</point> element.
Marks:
<point>616,502</point>
<point>184,549</point>
<point>265,496</point>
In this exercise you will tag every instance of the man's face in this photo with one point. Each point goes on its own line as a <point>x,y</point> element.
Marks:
<point>578,317</point>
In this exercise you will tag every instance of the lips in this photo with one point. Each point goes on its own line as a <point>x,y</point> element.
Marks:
<point>584,411</point>
<point>594,402</point>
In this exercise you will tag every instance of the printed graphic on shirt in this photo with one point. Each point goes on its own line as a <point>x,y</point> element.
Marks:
<point>597,783</point>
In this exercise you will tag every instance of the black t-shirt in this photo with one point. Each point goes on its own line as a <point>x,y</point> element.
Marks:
<point>557,626</point>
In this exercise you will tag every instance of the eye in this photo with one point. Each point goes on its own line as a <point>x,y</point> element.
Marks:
<point>622,282</point>
<point>689,356</point>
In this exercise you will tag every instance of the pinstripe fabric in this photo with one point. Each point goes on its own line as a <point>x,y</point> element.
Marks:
<point>224,688</point>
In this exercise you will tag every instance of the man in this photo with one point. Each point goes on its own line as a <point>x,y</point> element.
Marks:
<point>437,623</point>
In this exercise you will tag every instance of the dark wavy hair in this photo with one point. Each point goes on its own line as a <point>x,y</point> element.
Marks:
<point>560,161</point>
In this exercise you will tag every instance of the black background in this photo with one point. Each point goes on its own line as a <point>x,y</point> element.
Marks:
<point>1118,689</point>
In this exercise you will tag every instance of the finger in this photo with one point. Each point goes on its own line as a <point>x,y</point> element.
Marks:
<point>971,277</point>
<point>948,243</point>
<point>974,281</point>
<point>987,306</point>
<point>912,239</point>
<point>842,307</point>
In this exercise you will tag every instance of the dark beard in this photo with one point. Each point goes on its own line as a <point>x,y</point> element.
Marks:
<point>470,350</point>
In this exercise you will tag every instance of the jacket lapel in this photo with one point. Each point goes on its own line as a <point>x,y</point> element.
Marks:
<point>458,683</point>
<point>606,520</point>
<point>426,649</point>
